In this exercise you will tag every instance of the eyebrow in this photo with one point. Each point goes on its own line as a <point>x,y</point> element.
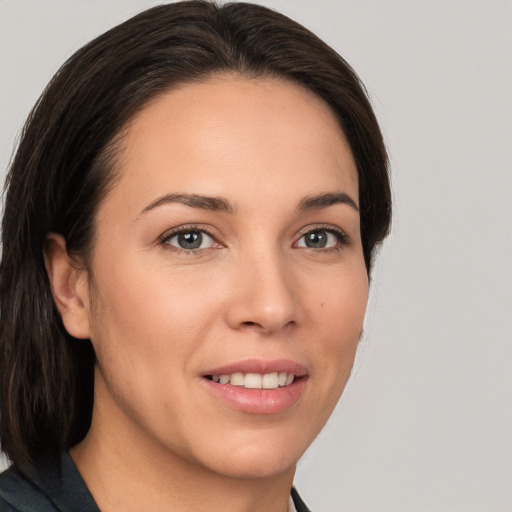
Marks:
<point>217,204</point>
<point>324,200</point>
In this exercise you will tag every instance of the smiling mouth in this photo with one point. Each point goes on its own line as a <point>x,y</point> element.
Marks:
<point>255,386</point>
<point>272,380</point>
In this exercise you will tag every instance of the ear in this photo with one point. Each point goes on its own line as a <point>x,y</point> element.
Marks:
<point>70,287</point>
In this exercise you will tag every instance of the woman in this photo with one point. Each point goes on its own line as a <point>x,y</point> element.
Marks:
<point>189,227</point>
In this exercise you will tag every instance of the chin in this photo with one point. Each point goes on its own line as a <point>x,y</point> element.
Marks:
<point>257,465</point>
<point>256,458</point>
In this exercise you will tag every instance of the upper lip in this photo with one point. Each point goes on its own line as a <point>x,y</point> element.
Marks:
<point>260,366</point>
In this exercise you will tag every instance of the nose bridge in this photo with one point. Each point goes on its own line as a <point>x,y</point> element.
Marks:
<point>264,292</point>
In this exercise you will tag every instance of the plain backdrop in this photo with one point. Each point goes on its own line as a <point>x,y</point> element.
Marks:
<point>426,423</point>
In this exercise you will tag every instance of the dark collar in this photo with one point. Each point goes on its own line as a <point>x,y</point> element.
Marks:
<point>297,500</point>
<point>58,487</point>
<point>55,486</point>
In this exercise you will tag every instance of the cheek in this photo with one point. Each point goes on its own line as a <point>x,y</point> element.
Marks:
<point>147,329</point>
<point>339,315</point>
<point>149,299</point>
<point>338,302</point>
<point>150,329</point>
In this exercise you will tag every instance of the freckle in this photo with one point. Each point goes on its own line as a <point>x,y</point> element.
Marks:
<point>322,305</point>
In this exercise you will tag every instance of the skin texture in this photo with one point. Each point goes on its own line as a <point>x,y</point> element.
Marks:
<point>162,317</point>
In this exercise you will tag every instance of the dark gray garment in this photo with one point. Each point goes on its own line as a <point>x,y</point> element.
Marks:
<point>54,489</point>
<point>50,489</point>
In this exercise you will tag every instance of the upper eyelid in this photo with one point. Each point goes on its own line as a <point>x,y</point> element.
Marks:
<point>343,237</point>
<point>210,231</point>
<point>322,227</point>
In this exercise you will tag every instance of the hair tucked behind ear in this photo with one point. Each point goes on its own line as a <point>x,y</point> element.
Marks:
<point>66,162</point>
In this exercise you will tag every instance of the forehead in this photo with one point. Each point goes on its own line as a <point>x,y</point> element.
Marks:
<point>236,133</point>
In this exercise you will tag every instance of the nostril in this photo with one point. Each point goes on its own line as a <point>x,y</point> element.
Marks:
<point>257,326</point>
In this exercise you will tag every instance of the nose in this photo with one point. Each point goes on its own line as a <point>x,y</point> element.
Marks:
<point>264,296</point>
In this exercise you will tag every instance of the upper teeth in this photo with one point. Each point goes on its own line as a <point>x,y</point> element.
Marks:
<point>256,380</point>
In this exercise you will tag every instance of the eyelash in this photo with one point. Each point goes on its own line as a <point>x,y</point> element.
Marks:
<point>192,228</point>
<point>342,238</point>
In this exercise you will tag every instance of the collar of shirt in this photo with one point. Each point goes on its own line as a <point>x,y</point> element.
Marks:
<point>291,505</point>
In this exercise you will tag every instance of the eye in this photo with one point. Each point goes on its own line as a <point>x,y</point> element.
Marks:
<point>190,240</point>
<point>321,239</point>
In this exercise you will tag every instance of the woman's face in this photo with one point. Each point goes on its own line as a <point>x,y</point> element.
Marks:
<point>229,248</point>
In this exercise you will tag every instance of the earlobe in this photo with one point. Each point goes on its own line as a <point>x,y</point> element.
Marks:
<point>69,286</point>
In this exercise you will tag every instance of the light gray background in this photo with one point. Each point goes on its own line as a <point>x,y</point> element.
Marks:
<point>426,424</point>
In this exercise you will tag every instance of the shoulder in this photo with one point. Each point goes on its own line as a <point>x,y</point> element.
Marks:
<point>54,486</point>
<point>6,507</point>
<point>17,494</point>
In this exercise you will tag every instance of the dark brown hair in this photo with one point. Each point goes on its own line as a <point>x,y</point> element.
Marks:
<point>66,161</point>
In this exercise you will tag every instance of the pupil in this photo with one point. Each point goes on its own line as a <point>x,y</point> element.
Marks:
<point>190,240</point>
<point>316,239</point>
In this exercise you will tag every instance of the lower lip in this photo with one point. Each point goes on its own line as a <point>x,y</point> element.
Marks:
<point>258,401</point>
